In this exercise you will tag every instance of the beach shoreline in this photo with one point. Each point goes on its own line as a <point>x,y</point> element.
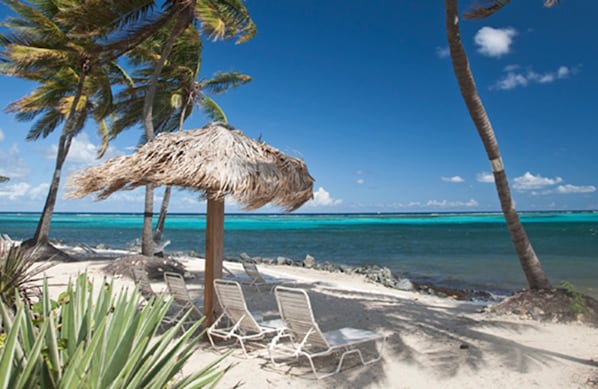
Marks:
<point>431,341</point>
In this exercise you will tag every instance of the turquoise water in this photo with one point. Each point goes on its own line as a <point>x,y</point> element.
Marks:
<point>458,250</point>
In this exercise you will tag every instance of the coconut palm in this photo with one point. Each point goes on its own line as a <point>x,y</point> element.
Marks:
<point>532,268</point>
<point>219,19</point>
<point>179,92</point>
<point>39,46</point>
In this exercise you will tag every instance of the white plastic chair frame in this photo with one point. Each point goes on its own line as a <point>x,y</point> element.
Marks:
<point>241,324</point>
<point>306,338</point>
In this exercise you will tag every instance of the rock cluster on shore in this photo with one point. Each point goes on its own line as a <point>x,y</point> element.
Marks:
<point>381,275</point>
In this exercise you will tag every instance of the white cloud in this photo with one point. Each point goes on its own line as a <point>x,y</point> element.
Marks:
<point>1,135</point>
<point>12,164</point>
<point>485,177</point>
<point>360,181</point>
<point>40,192</point>
<point>516,77</point>
<point>14,191</point>
<point>443,52</point>
<point>451,204</point>
<point>82,151</point>
<point>494,42</point>
<point>567,189</point>
<point>529,182</point>
<point>323,198</point>
<point>454,179</point>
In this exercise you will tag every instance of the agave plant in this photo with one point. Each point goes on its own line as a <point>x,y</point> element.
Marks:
<point>104,342</point>
<point>18,274</point>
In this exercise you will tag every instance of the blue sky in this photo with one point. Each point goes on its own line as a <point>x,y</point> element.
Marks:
<point>365,94</point>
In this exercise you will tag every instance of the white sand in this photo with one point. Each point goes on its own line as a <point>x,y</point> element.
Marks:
<point>431,342</point>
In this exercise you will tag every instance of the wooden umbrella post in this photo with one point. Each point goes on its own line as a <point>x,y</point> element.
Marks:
<point>214,255</point>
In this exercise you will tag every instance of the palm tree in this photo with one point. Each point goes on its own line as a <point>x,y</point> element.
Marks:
<point>178,92</point>
<point>536,278</point>
<point>40,46</point>
<point>219,19</point>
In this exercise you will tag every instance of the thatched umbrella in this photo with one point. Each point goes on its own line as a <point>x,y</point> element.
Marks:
<point>216,160</point>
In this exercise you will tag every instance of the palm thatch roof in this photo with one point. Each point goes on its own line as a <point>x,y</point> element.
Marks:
<point>217,160</point>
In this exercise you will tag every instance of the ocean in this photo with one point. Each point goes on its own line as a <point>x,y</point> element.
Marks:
<point>461,250</point>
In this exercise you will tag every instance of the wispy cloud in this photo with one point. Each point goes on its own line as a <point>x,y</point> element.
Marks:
<point>542,186</point>
<point>532,182</point>
<point>451,204</point>
<point>485,177</point>
<point>454,179</point>
<point>517,77</point>
<point>566,189</point>
<point>12,163</point>
<point>83,152</point>
<point>443,52</point>
<point>1,135</point>
<point>494,42</point>
<point>360,179</point>
<point>23,190</point>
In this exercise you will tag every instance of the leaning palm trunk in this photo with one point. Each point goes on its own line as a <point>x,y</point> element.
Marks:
<point>43,228</point>
<point>168,190</point>
<point>536,278</point>
<point>162,218</point>
<point>147,243</point>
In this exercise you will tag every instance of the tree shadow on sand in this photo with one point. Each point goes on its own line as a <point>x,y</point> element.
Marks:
<point>439,339</point>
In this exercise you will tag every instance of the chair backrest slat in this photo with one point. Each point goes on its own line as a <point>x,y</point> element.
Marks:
<point>253,272</point>
<point>176,286</point>
<point>296,311</point>
<point>232,301</point>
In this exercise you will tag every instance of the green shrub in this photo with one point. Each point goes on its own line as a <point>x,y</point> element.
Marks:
<point>18,274</point>
<point>578,302</point>
<point>109,341</point>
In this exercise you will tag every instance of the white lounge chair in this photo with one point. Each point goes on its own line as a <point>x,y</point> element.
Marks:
<point>143,283</point>
<point>175,283</point>
<point>255,277</point>
<point>306,338</point>
<point>145,288</point>
<point>236,321</point>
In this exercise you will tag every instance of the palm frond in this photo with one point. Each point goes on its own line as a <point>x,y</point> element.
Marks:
<point>212,110</point>
<point>483,11</point>
<point>225,19</point>
<point>45,125</point>
<point>223,81</point>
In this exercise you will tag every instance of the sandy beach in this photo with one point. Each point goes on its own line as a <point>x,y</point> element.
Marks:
<point>431,342</point>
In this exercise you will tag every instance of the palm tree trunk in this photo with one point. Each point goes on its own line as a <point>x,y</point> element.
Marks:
<point>163,211</point>
<point>166,199</point>
<point>536,278</point>
<point>147,244</point>
<point>43,228</point>
<point>146,237</point>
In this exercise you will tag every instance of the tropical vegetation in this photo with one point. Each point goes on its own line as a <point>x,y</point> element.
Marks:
<point>96,340</point>
<point>73,51</point>
<point>179,91</point>
<point>43,45</point>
